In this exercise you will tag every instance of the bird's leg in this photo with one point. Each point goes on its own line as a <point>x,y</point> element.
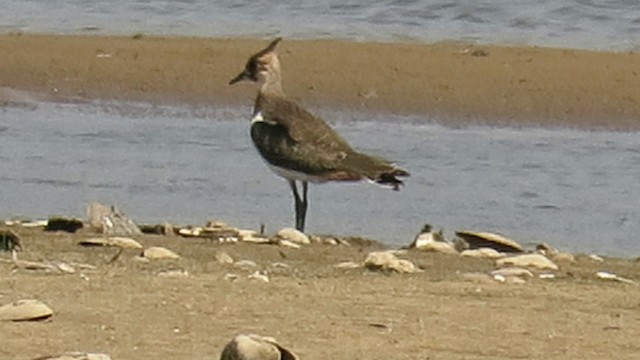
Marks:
<point>301,204</point>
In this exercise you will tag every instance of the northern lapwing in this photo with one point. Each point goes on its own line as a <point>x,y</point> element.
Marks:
<point>299,146</point>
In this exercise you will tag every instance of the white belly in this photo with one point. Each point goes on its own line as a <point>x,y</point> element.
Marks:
<point>295,175</point>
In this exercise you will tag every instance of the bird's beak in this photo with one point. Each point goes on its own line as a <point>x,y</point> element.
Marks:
<point>242,76</point>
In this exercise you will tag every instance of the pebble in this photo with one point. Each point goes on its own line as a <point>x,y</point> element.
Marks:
<point>245,264</point>
<point>116,241</point>
<point>25,310</point>
<point>527,261</point>
<point>294,236</point>
<point>347,265</point>
<point>259,275</point>
<point>190,232</point>
<point>77,356</point>
<point>157,253</point>
<point>255,347</point>
<point>595,257</point>
<point>223,258</point>
<point>387,261</point>
<point>482,253</point>
<point>611,276</point>
<point>175,273</point>
<point>512,271</point>
<point>435,246</point>
<point>289,244</point>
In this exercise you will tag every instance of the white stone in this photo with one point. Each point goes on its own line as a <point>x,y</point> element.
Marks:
<point>294,236</point>
<point>176,273</point>
<point>156,253</point>
<point>528,260</point>
<point>289,244</point>
<point>223,258</point>
<point>77,356</point>
<point>436,246</point>
<point>610,276</point>
<point>386,261</point>
<point>260,276</point>
<point>347,265</point>
<point>245,264</point>
<point>512,271</point>
<point>256,240</point>
<point>482,253</point>
<point>190,232</point>
<point>595,257</point>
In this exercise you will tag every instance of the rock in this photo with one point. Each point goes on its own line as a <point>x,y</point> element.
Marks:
<point>610,276</point>
<point>245,264</point>
<point>190,232</point>
<point>9,241</point>
<point>595,257</point>
<point>63,224</point>
<point>508,279</point>
<point>25,310</point>
<point>76,356</point>
<point>57,267</point>
<point>347,265</point>
<point>260,276</point>
<point>242,233</point>
<point>174,273</point>
<point>223,258</point>
<point>116,241</point>
<point>156,253</point>
<point>528,260</point>
<point>386,261</point>
<point>512,271</point>
<point>294,236</point>
<point>255,347</point>
<point>109,220</point>
<point>288,243</point>
<point>500,243</point>
<point>63,267</point>
<point>256,240</point>
<point>482,253</point>
<point>437,246</point>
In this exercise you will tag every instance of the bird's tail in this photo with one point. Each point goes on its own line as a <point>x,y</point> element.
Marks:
<point>375,169</point>
<point>390,178</point>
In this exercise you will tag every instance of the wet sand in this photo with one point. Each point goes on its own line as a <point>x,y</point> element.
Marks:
<point>452,83</point>
<point>126,309</point>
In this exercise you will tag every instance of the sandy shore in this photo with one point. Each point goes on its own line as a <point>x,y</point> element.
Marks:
<point>126,309</point>
<point>454,83</point>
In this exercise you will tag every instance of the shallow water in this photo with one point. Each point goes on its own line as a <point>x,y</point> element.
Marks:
<point>606,24</point>
<point>577,190</point>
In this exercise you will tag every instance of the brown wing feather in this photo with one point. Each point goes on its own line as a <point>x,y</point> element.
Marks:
<point>317,146</point>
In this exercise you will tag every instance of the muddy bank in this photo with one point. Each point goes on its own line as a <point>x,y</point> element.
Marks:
<point>455,83</point>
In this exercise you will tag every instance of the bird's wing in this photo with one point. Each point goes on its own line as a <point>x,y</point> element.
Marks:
<point>302,126</point>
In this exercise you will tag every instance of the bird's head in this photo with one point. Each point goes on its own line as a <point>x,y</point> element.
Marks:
<point>261,65</point>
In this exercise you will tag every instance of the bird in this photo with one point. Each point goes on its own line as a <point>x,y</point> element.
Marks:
<point>300,146</point>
